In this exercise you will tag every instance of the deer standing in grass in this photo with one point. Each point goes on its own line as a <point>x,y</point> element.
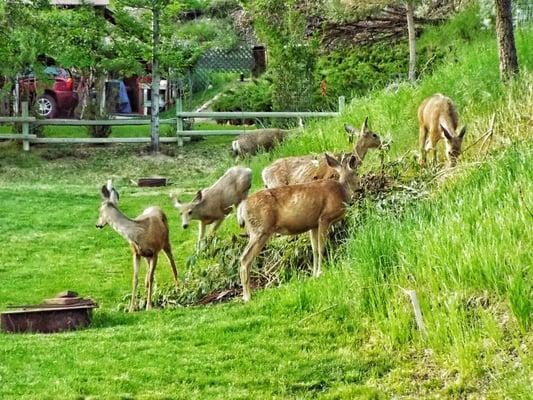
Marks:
<point>438,120</point>
<point>301,169</point>
<point>147,235</point>
<point>250,143</point>
<point>211,205</point>
<point>295,209</point>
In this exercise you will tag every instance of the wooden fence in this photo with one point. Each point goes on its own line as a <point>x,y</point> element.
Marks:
<point>182,135</point>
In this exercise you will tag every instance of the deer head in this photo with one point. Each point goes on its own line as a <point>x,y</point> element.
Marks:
<point>346,170</point>
<point>453,144</point>
<point>109,199</point>
<point>188,210</point>
<point>365,137</point>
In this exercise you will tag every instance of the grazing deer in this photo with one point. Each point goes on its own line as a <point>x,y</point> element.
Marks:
<point>295,209</point>
<point>437,117</point>
<point>147,235</point>
<point>260,139</point>
<point>301,169</point>
<point>211,205</point>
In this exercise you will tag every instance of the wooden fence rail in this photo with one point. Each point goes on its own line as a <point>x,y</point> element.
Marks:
<point>181,134</point>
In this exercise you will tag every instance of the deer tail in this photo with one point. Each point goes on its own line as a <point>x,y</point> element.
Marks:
<point>241,213</point>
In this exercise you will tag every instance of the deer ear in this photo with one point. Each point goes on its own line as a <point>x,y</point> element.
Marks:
<point>446,133</point>
<point>349,128</point>
<point>462,133</point>
<point>353,162</point>
<point>104,193</point>
<point>364,128</point>
<point>198,196</point>
<point>333,163</point>
<point>114,196</point>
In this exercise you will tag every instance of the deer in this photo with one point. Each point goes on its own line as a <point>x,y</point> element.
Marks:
<point>211,205</point>
<point>437,118</point>
<point>296,209</point>
<point>147,235</point>
<point>248,144</point>
<point>301,169</point>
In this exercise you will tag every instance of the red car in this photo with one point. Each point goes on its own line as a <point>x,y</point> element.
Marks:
<point>56,99</point>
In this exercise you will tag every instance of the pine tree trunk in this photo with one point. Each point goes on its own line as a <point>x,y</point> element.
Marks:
<point>505,35</point>
<point>156,77</point>
<point>412,39</point>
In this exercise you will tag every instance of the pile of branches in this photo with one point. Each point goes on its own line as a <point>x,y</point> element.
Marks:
<point>389,24</point>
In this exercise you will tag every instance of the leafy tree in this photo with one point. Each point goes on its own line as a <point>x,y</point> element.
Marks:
<point>22,38</point>
<point>166,50</point>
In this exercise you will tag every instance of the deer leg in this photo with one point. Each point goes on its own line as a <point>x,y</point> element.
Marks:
<point>150,278</point>
<point>423,134</point>
<point>322,237</point>
<point>314,245</point>
<point>168,252</point>
<point>201,234</point>
<point>217,224</point>
<point>256,243</point>
<point>136,267</point>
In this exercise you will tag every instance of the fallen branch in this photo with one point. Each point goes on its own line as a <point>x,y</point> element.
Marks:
<point>488,132</point>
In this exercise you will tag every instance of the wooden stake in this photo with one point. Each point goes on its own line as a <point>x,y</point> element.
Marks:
<point>416,308</point>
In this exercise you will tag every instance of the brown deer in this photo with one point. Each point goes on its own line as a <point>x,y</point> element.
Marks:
<point>250,143</point>
<point>147,235</point>
<point>301,169</point>
<point>211,205</point>
<point>437,117</point>
<point>295,209</point>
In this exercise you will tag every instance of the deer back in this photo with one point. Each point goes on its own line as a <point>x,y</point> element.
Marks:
<point>436,110</point>
<point>294,209</point>
<point>153,232</point>
<point>294,170</point>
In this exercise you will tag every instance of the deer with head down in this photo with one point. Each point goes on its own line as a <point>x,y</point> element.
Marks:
<point>248,144</point>
<point>147,235</point>
<point>295,209</point>
<point>437,118</point>
<point>301,169</point>
<point>211,205</point>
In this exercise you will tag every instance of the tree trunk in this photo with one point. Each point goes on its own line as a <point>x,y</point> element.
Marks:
<point>412,39</point>
<point>505,35</point>
<point>156,78</point>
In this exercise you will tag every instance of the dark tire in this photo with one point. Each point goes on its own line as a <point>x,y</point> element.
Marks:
<point>46,106</point>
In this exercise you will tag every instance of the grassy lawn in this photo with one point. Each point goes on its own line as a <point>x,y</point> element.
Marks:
<point>465,245</point>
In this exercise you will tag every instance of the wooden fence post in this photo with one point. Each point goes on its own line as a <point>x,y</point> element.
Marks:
<point>179,119</point>
<point>25,127</point>
<point>342,104</point>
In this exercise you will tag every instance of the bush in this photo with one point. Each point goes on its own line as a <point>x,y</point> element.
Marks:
<point>256,96</point>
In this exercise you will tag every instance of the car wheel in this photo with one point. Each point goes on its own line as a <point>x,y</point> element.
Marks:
<point>46,106</point>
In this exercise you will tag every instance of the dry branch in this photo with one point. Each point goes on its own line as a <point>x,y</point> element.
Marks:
<point>388,24</point>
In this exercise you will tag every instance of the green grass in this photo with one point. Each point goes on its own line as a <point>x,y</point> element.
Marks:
<point>465,248</point>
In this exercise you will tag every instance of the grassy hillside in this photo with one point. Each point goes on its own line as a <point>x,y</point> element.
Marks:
<point>461,239</point>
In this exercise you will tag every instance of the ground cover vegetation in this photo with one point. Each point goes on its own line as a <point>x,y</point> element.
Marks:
<point>460,238</point>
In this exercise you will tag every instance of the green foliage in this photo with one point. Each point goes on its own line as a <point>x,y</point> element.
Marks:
<point>254,96</point>
<point>291,56</point>
<point>355,72</point>
<point>463,244</point>
<point>208,33</point>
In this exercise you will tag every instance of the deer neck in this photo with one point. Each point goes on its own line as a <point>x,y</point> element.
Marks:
<point>361,150</point>
<point>124,226</point>
<point>348,190</point>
